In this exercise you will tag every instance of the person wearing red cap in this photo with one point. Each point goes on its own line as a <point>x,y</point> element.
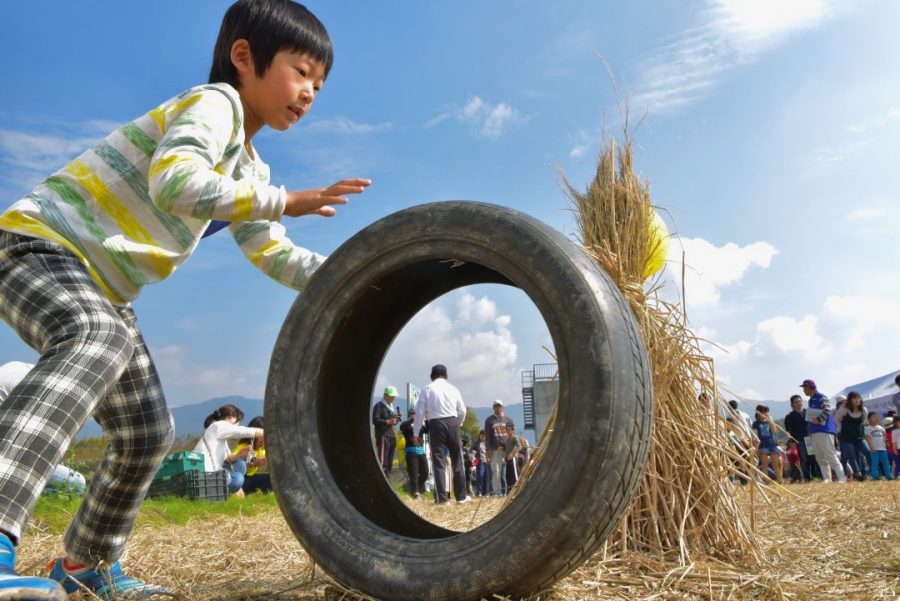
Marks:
<point>821,432</point>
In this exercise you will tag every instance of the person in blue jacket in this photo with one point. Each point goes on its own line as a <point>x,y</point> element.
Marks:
<point>821,432</point>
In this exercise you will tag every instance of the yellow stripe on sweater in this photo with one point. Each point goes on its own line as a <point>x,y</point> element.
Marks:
<point>243,200</point>
<point>169,161</point>
<point>162,112</point>
<point>17,222</point>
<point>124,219</point>
<point>259,254</point>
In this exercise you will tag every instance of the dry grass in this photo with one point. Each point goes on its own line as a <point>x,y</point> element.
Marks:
<point>683,504</point>
<point>817,542</point>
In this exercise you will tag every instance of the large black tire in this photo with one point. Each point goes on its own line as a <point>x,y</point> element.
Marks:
<point>326,477</point>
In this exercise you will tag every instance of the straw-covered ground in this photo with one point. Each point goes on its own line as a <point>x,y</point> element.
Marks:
<point>820,541</point>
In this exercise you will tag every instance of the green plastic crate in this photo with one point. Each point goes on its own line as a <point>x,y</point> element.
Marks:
<point>197,485</point>
<point>178,463</point>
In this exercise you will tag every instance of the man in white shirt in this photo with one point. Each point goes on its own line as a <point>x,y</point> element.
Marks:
<point>442,405</point>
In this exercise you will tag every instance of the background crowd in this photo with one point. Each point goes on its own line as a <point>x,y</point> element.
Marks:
<point>819,439</point>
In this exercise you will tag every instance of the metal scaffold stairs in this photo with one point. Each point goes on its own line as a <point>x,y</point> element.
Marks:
<point>528,398</point>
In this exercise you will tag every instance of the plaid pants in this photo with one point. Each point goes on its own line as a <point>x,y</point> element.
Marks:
<point>93,361</point>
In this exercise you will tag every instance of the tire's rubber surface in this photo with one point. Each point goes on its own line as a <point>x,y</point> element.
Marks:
<point>326,477</point>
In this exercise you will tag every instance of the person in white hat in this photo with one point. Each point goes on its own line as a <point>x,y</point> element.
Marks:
<point>384,418</point>
<point>496,433</point>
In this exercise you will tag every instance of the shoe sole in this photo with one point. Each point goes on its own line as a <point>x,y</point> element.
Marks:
<point>32,595</point>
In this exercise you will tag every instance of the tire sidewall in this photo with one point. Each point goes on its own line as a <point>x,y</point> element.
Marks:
<point>589,470</point>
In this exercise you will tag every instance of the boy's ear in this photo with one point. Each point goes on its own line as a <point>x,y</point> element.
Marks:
<point>241,56</point>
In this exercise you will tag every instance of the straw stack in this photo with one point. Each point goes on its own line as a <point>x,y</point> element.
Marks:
<point>685,503</point>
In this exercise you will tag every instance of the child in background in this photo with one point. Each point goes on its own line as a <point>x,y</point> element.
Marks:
<point>511,449</point>
<point>482,469</point>
<point>892,441</point>
<point>77,250</point>
<point>875,435</point>
<point>254,480</point>
<point>764,428</point>
<point>793,458</point>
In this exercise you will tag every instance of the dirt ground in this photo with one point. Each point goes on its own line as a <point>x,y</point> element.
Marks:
<point>821,542</point>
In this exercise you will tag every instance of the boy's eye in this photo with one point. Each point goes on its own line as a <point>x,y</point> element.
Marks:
<point>301,71</point>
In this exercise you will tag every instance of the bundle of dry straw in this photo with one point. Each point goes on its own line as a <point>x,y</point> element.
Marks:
<point>685,503</point>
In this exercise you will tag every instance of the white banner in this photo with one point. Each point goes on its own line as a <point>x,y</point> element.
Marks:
<point>412,396</point>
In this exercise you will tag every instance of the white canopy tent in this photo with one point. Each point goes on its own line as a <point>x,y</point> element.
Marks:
<point>877,394</point>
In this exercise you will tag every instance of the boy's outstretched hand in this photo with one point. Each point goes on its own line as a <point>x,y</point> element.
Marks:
<point>318,201</point>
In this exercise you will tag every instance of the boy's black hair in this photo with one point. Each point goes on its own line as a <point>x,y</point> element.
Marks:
<point>269,26</point>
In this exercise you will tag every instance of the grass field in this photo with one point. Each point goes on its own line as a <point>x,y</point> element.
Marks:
<point>821,542</point>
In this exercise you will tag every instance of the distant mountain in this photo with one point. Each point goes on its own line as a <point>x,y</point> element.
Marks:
<point>189,418</point>
<point>777,409</point>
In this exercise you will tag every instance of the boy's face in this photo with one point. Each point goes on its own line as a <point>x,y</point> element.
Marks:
<point>285,92</point>
<point>874,420</point>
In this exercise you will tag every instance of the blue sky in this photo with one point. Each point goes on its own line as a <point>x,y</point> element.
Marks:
<point>770,134</point>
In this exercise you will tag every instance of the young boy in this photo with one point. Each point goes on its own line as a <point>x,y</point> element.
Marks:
<point>77,250</point>
<point>875,435</point>
<point>793,458</point>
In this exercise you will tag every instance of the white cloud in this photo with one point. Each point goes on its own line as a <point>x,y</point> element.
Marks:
<point>786,335</point>
<point>187,382</point>
<point>345,126</point>
<point>729,33</point>
<point>582,141</point>
<point>484,119</point>
<point>710,268</point>
<point>862,213</point>
<point>40,152</point>
<point>858,139</point>
<point>852,339</point>
<point>28,157</point>
<point>470,337</point>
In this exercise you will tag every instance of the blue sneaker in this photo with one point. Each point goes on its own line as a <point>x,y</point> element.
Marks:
<point>106,583</point>
<point>24,588</point>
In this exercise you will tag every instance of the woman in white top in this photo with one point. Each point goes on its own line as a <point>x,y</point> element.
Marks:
<point>221,426</point>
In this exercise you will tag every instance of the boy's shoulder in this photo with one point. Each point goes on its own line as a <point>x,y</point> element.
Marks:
<point>222,94</point>
<point>223,88</point>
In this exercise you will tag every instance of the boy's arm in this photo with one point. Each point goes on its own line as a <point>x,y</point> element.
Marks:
<point>201,131</point>
<point>266,245</point>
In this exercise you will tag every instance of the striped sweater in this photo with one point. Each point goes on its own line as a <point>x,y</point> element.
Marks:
<point>135,205</point>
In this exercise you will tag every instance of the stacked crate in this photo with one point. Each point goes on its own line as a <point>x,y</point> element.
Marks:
<point>182,475</point>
